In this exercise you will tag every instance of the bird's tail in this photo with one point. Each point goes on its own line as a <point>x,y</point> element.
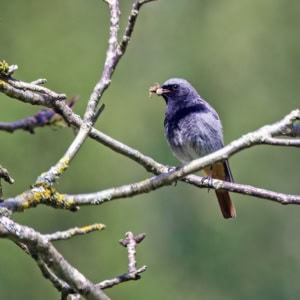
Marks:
<point>226,205</point>
<point>221,170</point>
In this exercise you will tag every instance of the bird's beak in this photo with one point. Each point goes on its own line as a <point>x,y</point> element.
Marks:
<point>161,91</point>
<point>156,89</point>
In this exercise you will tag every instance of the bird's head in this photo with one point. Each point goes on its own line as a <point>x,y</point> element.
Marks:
<point>176,89</point>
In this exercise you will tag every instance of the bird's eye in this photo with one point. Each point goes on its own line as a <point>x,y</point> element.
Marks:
<point>175,87</point>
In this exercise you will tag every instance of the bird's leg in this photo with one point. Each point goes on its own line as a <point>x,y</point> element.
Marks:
<point>170,169</point>
<point>208,177</point>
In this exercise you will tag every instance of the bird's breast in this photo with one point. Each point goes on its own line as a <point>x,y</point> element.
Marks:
<point>193,135</point>
<point>185,143</point>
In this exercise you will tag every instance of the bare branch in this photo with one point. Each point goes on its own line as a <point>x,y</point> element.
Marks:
<point>130,243</point>
<point>40,247</point>
<point>281,142</point>
<point>110,63</point>
<point>40,119</point>
<point>131,23</point>
<point>59,284</point>
<point>5,175</point>
<point>114,52</point>
<point>27,239</point>
<point>247,190</point>
<point>39,81</point>
<point>29,92</point>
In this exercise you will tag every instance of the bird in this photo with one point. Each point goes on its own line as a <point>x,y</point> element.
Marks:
<point>193,129</point>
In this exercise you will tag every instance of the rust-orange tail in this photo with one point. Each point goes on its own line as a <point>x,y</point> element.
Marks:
<point>226,204</point>
<point>221,170</point>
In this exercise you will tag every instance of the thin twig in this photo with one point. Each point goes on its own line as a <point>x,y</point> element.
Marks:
<point>133,273</point>
<point>64,235</point>
<point>40,119</point>
<point>114,52</point>
<point>5,175</point>
<point>29,93</point>
<point>131,23</point>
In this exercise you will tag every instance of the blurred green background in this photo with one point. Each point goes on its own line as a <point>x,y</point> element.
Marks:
<point>243,57</point>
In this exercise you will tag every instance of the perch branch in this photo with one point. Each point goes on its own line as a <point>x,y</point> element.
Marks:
<point>261,136</point>
<point>166,176</point>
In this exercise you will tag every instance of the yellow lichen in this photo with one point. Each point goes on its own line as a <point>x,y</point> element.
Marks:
<point>63,165</point>
<point>4,68</point>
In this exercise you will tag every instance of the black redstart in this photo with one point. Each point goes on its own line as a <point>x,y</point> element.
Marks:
<point>193,129</point>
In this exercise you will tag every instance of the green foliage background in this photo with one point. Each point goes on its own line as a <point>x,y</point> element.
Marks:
<point>243,57</point>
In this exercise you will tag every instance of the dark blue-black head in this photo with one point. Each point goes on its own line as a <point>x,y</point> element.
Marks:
<point>177,89</point>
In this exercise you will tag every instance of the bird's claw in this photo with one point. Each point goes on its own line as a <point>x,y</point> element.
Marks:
<point>209,181</point>
<point>170,169</point>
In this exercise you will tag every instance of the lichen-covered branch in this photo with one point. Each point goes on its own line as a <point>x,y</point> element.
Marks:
<point>31,93</point>
<point>41,248</point>
<point>64,235</point>
<point>65,278</point>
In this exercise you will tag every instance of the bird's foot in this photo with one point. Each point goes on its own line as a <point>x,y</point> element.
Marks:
<point>170,169</point>
<point>209,181</point>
